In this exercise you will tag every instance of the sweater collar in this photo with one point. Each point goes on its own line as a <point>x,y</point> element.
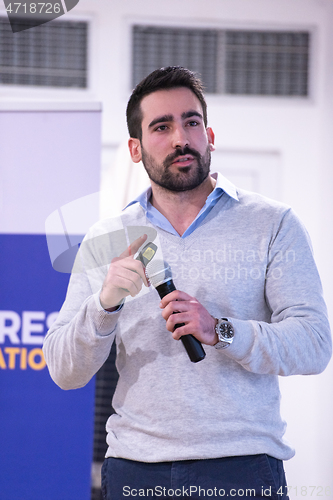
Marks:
<point>222,185</point>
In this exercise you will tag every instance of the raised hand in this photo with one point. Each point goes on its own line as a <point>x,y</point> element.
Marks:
<point>125,277</point>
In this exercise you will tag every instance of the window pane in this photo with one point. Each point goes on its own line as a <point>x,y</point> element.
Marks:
<point>53,54</point>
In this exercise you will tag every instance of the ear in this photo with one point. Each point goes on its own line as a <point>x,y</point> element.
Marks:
<point>134,146</point>
<point>211,138</point>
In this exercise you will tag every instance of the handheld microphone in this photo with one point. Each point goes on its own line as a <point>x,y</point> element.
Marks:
<point>160,276</point>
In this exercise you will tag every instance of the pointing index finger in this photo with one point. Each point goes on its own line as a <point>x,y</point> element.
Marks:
<point>134,247</point>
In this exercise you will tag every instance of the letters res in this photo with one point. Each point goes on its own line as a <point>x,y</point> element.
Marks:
<point>20,332</point>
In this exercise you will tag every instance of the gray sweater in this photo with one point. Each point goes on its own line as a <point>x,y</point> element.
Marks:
<point>250,261</point>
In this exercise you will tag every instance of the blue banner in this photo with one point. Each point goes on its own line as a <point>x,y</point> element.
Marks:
<point>46,436</point>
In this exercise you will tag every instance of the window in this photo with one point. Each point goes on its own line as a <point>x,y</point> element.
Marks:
<point>50,55</point>
<point>228,61</point>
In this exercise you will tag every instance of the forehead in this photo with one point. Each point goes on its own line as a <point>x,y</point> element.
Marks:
<point>173,102</point>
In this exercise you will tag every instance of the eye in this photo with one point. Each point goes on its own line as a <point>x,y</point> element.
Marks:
<point>193,123</point>
<point>161,128</point>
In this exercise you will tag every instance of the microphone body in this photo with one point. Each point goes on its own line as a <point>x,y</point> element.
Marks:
<point>192,345</point>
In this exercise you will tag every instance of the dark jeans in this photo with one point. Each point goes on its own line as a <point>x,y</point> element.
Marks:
<point>256,476</point>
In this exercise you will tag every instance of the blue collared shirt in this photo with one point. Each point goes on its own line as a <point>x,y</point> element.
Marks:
<point>223,186</point>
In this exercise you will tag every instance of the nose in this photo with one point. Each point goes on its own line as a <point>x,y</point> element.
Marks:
<point>179,137</point>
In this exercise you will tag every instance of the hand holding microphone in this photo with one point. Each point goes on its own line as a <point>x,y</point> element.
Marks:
<point>184,314</point>
<point>125,276</point>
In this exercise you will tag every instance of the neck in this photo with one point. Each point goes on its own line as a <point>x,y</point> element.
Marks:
<point>181,208</point>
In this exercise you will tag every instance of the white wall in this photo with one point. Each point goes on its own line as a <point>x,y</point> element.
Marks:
<point>49,156</point>
<point>296,132</point>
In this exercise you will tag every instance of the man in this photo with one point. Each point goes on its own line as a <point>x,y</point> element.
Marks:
<point>248,290</point>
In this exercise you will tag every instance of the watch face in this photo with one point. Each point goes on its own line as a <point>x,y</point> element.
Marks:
<point>225,333</point>
<point>226,330</point>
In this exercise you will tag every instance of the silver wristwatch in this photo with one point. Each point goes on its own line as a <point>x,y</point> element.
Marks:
<point>225,332</point>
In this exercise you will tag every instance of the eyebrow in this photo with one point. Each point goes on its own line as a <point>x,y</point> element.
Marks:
<point>169,118</point>
<point>188,114</point>
<point>161,119</point>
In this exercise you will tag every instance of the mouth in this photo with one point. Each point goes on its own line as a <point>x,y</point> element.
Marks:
<point>183,161</point>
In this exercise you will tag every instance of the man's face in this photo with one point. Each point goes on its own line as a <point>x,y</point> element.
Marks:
<point>175,147</point>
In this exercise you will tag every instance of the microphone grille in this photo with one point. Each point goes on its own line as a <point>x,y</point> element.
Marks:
<point>158,272</point>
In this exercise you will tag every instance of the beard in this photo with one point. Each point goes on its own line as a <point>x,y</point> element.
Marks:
<point>186,178</point>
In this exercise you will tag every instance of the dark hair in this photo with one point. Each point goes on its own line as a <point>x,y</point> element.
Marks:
<point>160,79</point>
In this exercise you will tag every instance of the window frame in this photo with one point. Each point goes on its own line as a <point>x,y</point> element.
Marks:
<point>275,100</point>
<point>41,92</point>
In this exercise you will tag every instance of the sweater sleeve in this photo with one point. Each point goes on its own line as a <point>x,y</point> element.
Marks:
<point>79,341</point>
<point>297,340</point>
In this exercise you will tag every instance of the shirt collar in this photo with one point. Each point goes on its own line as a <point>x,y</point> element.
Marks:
<point>222,183</point>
